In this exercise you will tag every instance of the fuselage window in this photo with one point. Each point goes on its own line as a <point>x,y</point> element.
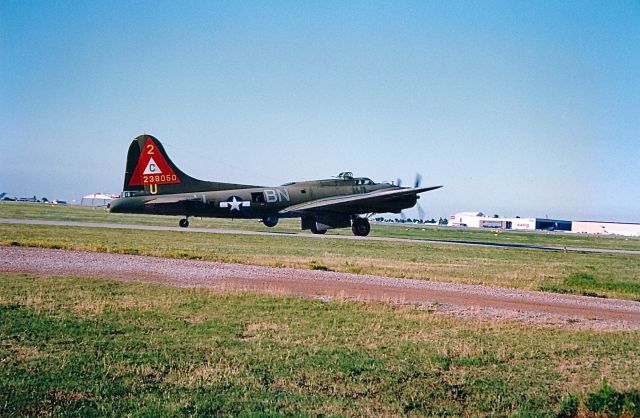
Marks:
<point>257,197</point>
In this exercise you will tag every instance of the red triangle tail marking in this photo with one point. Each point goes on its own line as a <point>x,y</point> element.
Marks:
<point>158,172</point>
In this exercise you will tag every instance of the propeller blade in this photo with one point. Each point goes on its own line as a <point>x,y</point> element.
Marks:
<point>420,212</point>
<point>398,182</point>
<point>416,184</point>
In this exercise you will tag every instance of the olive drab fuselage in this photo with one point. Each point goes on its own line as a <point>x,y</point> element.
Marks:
<point>258,203</point>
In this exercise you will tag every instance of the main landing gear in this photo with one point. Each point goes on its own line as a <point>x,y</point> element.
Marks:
<point>315,230</point>
<point>184,222</point>
<point>360,227</point>
<point>270,221</point>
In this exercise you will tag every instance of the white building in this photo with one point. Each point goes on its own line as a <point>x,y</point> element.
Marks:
<point>478,220</point>
<point>97,199</point>
<point>606,228</point>
<point>471,219</point>
<point>523,224</point>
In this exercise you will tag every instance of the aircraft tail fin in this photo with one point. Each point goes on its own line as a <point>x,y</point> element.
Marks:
<point>149,170</point>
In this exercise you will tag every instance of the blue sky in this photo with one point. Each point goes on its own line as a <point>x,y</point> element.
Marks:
<point>517,107</point>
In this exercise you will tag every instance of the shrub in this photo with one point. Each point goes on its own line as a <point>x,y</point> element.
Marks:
<point>610,402</point>
<point>568,406</point>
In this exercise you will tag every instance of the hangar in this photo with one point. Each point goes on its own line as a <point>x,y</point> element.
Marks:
<point>606,228</point>
<point>479,220</point>
<point>97,199</point>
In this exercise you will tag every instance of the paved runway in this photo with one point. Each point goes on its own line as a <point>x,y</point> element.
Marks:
<point>307,235</point>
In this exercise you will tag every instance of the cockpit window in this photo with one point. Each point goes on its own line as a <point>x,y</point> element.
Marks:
<point>363,181</point>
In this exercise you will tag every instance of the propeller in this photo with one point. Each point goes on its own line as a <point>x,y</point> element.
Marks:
<point>416,184</point>
<point>418,180</point>
<point>420,211</point>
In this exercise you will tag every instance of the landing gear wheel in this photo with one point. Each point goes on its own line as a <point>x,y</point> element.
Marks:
<point>183,223</point>
<point>361,227</point>
<point>315,230</point>
<point>270,221</point>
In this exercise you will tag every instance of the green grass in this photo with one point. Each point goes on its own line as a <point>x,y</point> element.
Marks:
<point>589,285</point>
<point>86,347</point>
<point>86,214</point>
<point>503,267</point>
<point>551,239</point>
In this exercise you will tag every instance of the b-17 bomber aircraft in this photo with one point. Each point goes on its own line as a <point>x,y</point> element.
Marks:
<point>154,185</point>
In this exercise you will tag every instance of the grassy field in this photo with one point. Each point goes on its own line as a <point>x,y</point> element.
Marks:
<point>610,275</point>
<point>87,214</point>
<point>83,347</point>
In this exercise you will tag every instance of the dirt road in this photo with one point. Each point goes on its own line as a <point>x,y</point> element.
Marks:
<point>467,301</point>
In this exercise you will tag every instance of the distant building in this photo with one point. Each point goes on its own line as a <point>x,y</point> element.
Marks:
<point>97,199</point>
<point>466,219</point>
<point>479,220</point>
<point>606,228</point>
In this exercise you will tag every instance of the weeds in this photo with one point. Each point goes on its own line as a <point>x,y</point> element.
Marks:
<point>568,407</point>
<point>587,284</point>
<point>316,265</point>
<point>612,403</point>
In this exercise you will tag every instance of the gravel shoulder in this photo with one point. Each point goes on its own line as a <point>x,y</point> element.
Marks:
<point>467,301</point>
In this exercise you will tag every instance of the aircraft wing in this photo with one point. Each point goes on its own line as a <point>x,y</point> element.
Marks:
<point>356,203</point>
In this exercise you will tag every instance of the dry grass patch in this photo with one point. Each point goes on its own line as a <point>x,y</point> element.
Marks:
<point>38,301</point>
<point>261,326</point>
<point>208,374</point>
<point>21,351</point>
<point>254,330</point>
<point>84,302</point>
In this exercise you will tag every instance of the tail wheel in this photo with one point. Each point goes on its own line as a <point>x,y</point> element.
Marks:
<point>183,223</point>
<point>361,227</point>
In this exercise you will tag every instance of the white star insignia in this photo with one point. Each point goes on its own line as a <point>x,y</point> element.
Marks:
<point>234,204</point>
